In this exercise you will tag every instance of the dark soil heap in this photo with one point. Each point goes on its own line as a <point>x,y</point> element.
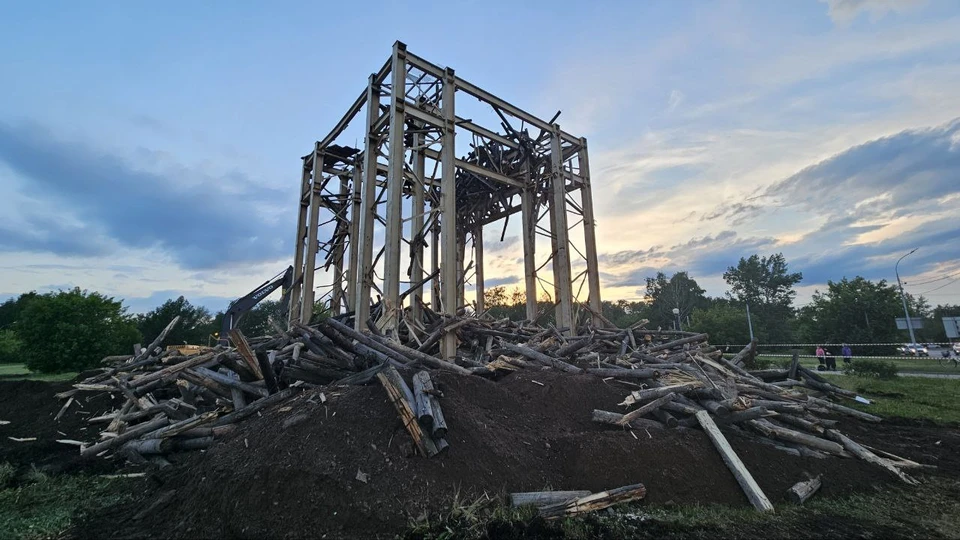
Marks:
<point>337,461</point>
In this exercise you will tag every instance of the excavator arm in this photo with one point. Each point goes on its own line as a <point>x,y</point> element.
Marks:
<point>240,306</point>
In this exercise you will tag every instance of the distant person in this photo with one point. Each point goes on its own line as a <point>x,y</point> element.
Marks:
<point>831,361</point>
<point>821,358</point>
<point>847,354</point>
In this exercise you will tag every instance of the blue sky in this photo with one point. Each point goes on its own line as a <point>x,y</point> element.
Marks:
<point>149,150</point>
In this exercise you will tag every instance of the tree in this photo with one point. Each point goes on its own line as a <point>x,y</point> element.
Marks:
<point>726,323</point>
<point>193,328</point>
<point>679,292</point>
<point>766,285</point>
<point>11,309</point>
<point>853,311</point>
<point>624,313</point>
<point>72,330</point>
<point>10,347</point>
<point>501,304</point>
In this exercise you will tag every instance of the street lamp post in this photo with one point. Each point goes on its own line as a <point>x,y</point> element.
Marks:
<point>676,314</point>
<point>903,297</point>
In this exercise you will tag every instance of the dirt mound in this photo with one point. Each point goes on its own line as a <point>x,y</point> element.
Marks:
<point>338,462</point>
<point>30,407</point>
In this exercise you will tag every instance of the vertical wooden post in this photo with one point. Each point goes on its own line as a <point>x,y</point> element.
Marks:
<point>394,221</point>
<point>529,232</point>
<point>351,299</point>
<point>416,228</point>
<point>561,266</point>
<point>448,205</point>
<point>310,261</point>
<point>461,269</point>
<point>297,289</point>
<point>368,209</point>
<point>478,263</point>
<point>590,235</point>
<point>340,236</point>
<point>435,257</point>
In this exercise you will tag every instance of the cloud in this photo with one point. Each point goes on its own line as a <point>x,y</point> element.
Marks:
<point>95,203</point>
<point>845,11</point>
<point>675,99</point>
<point>496,282</point>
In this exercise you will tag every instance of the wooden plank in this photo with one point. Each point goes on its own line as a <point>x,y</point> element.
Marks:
<point>740,472</point>
<point>246,353</point>
<point>545,498</point>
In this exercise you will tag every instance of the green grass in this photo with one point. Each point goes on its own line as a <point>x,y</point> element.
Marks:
<point>907,397</point>
<point>916,365</point>
<point>16,372</point>
<point>43,506</point>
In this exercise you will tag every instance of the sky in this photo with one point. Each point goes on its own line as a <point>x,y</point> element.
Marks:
<point>152,150</point>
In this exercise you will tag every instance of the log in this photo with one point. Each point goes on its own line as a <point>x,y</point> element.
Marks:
<point>181,426</point>
<point>395,350</point>
<point>717,408</point>
<point>792,372</point>
<point>170,370</point>
<point>594,502</point>
<point>730,458</point>
<point>624,373</point>
<point>779,406</point>
<point>653,393</point>
<point>256,406</point>
<point>683,408</point>
<point>269,377</point>
<point>130,434</point>
<point>156,342</point>
<point>800,423</point>
<point>646,408</point>
<point>737,359</point>
<point>666,418</point>
<point>397,392</point>
<point>428,406</point>
<point>542,358</point>
<point>545,498</point>
<point>788,435</point>
<point>845,410</point>
<point>868,456</point>
<point>231,382</point>
<point>613,419</point>
<point>677,343</point>
<point>801,491</point>
<point>747,414</point>
<point>240,342</point>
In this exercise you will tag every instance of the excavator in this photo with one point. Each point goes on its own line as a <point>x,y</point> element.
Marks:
<point>240,306</point>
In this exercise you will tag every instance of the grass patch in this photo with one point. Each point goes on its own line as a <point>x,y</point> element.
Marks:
<point>905,365</point>
<point>907,397</point>
<point>929,510</point>
<point>20,372</point>
<point>42,506</point>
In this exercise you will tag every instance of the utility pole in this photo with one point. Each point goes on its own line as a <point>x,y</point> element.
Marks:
<point>749,322</point>
<point>903,297</point>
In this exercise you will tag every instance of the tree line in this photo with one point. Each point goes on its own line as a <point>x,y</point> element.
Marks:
<point>73,330</point>
<point>847,311</point>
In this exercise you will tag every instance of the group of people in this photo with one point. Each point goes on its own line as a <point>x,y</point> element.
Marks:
<point>828,362</point>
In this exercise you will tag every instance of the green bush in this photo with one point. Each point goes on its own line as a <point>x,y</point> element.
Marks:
<point>72,330</point>
<point>877,369</point>
<point>9,347</point>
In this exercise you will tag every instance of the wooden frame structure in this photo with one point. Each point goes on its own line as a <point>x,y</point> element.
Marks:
<point>408,179</point>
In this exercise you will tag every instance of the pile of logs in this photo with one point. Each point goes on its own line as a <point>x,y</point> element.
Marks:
<point>671,379</point>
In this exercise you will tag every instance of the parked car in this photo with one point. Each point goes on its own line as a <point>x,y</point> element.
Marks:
<point>914,349</point>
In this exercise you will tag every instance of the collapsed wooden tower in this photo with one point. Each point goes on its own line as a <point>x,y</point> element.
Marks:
<point>524,165</point>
